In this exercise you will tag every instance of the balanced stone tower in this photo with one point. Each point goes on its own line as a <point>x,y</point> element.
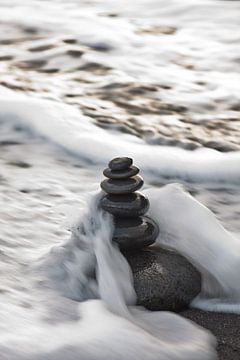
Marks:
<point>163,279</point>
<point>133,230</point>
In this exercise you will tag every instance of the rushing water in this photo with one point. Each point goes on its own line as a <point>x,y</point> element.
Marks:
<point>82,82</point>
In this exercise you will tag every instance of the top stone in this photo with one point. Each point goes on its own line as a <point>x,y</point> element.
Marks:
<point>120,163</point>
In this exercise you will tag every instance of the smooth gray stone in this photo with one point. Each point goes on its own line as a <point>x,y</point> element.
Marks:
<point>124,186</point>
<point>129,205</point>
<point>135,233</point>
<point>121,174</point>
<point>163,279</point>
<point>120,163</point>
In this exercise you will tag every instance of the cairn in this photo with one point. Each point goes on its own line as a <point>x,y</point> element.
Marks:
<point>133,230</point>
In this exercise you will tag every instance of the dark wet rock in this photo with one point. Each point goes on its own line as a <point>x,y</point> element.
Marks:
<point>31,30</point>
<point>132,234</point>
<point>70,41</point>
<point>41,48</point>
<point>124,186</point>
<point>75,52</point>
<point>189,145</point>
<point>49,70</point>
<point>25,191</point>
<point>120,163</point>
<point>32,64</point>
<point>96,68</point>
<point>140,90</point>
<point>14,86</point>
<point>9,142</point>
<point>163,279</point>
<point>6,57</point>
<point>20,164</point>
<point>220,146</point>
<point>121,174</point>
<point>235,107</point>
<point>129,205</point>
<point>157,30</point>
<point>13,40</point>
<point>100,46</point>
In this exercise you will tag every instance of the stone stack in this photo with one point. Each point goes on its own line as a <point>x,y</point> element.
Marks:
<point>133,230</point>
<point>163,279</point>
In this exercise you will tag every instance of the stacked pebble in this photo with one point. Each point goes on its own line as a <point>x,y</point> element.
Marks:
<point>132,230</point>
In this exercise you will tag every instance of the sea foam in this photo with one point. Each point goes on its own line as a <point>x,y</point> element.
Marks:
<point>102,321</point>
<point>138,333</point>
<point>193,230</point>
<point>185,226</point>
<point>67,127</point>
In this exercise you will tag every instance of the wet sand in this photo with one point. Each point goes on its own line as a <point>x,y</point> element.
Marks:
<point>226,328</point>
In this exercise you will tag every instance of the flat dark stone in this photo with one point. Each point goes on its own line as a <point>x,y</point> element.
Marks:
<point>124,186</point>
<point>129,205</point>
<point>120,163</point>
<point>163,279</point>
<point>135,233</point>
<point>121,174</point>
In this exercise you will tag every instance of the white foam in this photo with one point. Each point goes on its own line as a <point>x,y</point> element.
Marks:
<point>120,329</point>
<point>185,226</point>
<point>190,228</point>
<point>58,328</point>
<point>67,127</point>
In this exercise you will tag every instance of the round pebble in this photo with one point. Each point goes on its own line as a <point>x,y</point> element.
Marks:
<point>134,233</point>
<point>121,174</point>
<point>124,186</point>
<point>129,205</point>
<point>120,163</point>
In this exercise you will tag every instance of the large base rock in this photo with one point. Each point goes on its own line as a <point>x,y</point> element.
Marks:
<point>163,279</point>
